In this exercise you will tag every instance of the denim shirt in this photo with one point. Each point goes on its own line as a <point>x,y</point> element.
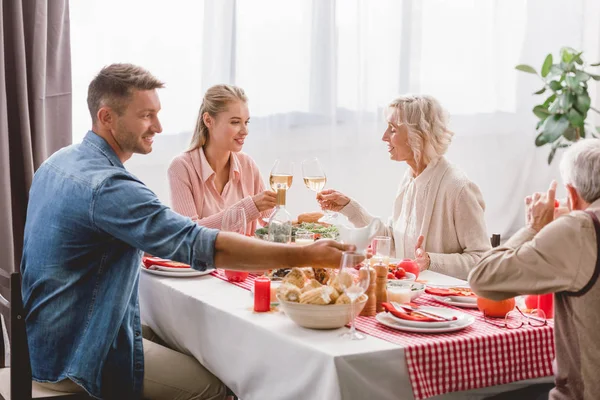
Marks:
<point>87,221</point>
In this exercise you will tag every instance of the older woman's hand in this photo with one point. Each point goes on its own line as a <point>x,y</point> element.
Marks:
<point>540,208</point>
<point>333,200</point>
<point>421,256</point>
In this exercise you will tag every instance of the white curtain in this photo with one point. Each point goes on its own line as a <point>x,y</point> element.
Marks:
<point>319,74</point>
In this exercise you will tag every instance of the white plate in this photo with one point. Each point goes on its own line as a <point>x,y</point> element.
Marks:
<point>186,274</point>
<point>444,312</point>
<point>463,299</point>
<point>450,301</point>
<point>384,318</point>
<point>173,269</point>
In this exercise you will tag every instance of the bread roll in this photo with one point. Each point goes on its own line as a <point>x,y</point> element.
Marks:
<point>310,217</point>
<point>295,277</point>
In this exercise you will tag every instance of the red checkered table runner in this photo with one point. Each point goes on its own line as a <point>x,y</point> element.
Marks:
<point>478,356</point>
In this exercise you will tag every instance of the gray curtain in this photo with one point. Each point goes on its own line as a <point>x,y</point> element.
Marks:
<point>35,106</point>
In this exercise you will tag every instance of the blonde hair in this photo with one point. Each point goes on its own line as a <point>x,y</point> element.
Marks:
<point>114,85</point>
<point>426,120</point>
<point>215,101</point>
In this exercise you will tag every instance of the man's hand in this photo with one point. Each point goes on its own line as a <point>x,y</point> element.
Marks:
<point>326,253</point>
<point>540,208</point>
<point>265,200</point>
<point>421,256</point>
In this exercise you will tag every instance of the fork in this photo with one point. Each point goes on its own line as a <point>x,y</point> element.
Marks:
<point>425,313</point>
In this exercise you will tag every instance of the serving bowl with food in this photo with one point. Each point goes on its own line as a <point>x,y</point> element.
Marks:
<point>316,304</point>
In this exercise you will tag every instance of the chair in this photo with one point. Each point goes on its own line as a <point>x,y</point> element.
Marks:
<point>15,381</point>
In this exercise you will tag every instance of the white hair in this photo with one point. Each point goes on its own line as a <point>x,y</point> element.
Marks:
<point>580,168</point>
<point>426,120</point>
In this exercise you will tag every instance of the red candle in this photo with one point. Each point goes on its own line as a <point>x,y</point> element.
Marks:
<point>546,304</point>
<point>262,294</point>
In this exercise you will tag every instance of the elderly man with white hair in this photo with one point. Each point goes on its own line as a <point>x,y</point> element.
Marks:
<point>438,212</point>
<point>561,257</point>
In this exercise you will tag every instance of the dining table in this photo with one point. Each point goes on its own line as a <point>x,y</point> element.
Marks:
<point>267,356</point>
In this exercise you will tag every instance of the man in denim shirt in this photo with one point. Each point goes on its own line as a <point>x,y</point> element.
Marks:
<point>88,222</point>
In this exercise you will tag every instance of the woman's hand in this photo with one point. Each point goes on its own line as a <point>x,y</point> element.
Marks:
<point>421,256</point>
<point>540,208</point>
<point>265,200</point>
<point>333,200</point>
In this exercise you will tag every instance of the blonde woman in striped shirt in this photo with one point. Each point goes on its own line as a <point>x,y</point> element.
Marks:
<point>213,174</point>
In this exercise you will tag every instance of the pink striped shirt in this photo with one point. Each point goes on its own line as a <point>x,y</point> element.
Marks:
<point>194,194</point>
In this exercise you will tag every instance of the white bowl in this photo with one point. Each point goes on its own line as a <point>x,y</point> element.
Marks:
<point>314,316</point>
<point>416,288</point>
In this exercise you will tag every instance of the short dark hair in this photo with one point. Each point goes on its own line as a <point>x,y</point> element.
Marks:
<point>114,84</point>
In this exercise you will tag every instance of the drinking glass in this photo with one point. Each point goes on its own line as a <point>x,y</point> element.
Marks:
<point>304,237</point>
<point>381,247</point>
<point>282,174</point>
<point>315,179</point>
<point>234,220</point>
<point>355,284</point>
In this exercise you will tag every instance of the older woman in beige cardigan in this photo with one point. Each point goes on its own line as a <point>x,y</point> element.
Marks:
<point>438,212</point>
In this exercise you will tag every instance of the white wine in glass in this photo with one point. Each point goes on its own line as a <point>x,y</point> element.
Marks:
<point>315,183</point>
<point>282,175</point>
<point>280,181</point>
<point>315,179</point>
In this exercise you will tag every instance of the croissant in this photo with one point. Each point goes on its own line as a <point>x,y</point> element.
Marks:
<point>295,277</point>
<point>289,292</point>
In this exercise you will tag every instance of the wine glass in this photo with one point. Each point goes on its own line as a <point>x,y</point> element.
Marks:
<point>355,284</point>
<point>315,179</point>
<point>234,220</point>
<point>282,174</point>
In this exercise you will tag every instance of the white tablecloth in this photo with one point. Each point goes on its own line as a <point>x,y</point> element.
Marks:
<point>266,356</point>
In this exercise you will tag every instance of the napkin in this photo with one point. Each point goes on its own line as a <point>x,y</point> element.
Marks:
<point>150,261</point>
<point>464,292</point>
<point>408,315</point>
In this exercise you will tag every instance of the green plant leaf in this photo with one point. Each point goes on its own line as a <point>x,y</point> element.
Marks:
<point>582,103</point>
<point>542,90</point>
<point>598,129</point>
<point>526,68</point>
<point>582,76</point>
<point>551,155</point>
<point>549,100</point>
<point>555,69</point>
<point>575,118</point>
<point>594,77</point>
<point>595,64</point>
<point>554,107</point>
<point>546,66</point>
<point>572,81</point>
<point>570,134</point>
<point>554,127</point>
<point>555,85</point>
<point>567,54</point>
<point>541,112</point>
<point>566,101</point>
<point>541,140</point>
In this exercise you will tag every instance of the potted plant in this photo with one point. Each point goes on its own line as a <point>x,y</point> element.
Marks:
<point>562,115</point>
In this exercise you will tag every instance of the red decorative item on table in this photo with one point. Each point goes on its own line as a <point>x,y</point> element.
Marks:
<point>262,294</point>
<point>235,276</point>
<point>546,304</point>
<point>409,266</point>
